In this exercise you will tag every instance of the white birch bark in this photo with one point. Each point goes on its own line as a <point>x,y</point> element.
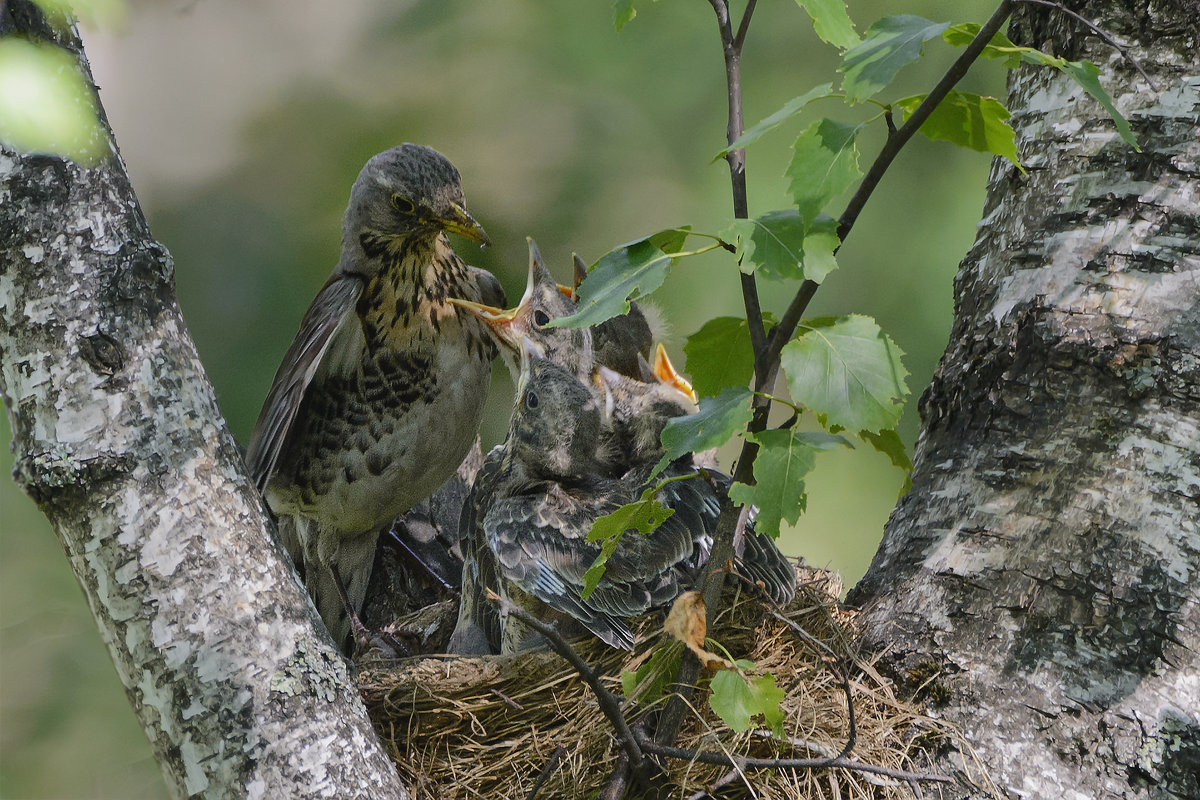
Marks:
<point>1043,570</point>
<point>119,440</point>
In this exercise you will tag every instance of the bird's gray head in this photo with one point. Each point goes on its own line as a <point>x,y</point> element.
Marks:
<point>555,426</point>
<point>544,300</point>
<point>407,191</point>
<point>635,412</point>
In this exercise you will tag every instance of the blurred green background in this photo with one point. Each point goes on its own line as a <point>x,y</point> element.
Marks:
<point>244,124</point>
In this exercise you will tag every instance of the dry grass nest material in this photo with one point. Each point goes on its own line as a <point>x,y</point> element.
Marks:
<point>486,727</point>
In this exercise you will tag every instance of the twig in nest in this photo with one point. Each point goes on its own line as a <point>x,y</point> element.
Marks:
<point>724,780</point>
<point>547,770</point>
<point>513,704</point>
<point>608,702</point>
<point>1098,31</point>
<point>747,762</point>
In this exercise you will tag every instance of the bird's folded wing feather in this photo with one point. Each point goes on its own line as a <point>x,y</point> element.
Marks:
<point>540,544</point>
<point>328,312</point>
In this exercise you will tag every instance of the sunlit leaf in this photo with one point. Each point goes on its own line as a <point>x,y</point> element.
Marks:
<point>968,120</point>
<point>46,104</point>
<point>1085,73</point>
<point>790,109</point>
<point>784,458</point>
<point>831,22</point>
<point>626,273</point>
<point>820,243</point>
<point>824,164</point>
<point>846,371</point>
<point>890,44</point>
<point>736,699</point>
<point>718,419</point>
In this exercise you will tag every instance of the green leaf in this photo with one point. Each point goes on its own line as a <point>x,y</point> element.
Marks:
<point>790,109</point>
<point>719,355</point>
<point>718,419</point>
<point>846,371</point>
<point>771,245</point>
<point>737,699</point>
<point>784,458</point>
<point>779,245</point>
<point>968,120</point>
<point>820,440</point>
<point>626,273</point>
<point>1087,75</point>
<point>831,22</point>
<point>824,164</point>
<point>890,444</point>
<point>1000,47</point>
<point>891,44</point>
<point>642,515</point>
<point>820,244</point>
<point>623,13</point>
<point>46,104</point>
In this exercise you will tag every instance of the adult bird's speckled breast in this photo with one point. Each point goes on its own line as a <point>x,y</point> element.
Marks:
<point>379,397</point>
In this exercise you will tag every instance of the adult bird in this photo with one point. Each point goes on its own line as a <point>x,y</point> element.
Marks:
<point>379,397</point>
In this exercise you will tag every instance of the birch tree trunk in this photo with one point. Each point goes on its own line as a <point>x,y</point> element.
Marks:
<point>119,440</point>
<point>1041,575</point>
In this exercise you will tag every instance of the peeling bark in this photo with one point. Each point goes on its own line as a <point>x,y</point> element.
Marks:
<point>1041,577</point>
<point>119,440</point>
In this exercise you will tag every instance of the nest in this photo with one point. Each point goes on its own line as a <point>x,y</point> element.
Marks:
<point>489,727</point>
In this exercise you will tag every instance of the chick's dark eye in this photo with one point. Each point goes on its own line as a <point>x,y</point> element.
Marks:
<point>531,400</point>
<point>403,204</point>
<point>540,318</point>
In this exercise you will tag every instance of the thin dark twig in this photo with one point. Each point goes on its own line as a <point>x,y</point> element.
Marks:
<point>737,161</point>
<point>724,780</point>
<point>748,762</point>
<point>1099,32</point>
<point>513,704</point>
<point>547,771</point>
<point>608,702</point>
<point>739,41</point>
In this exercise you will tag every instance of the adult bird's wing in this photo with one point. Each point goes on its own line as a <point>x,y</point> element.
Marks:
<point>329,310</point>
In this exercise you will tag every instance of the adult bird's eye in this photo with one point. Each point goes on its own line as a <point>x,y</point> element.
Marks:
<point>541,318</point>
<point>531,400</point>
<point>403,204</point>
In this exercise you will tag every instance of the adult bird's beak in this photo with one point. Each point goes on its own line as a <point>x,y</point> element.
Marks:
<point>665,371</point>
<point>462,223</point>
